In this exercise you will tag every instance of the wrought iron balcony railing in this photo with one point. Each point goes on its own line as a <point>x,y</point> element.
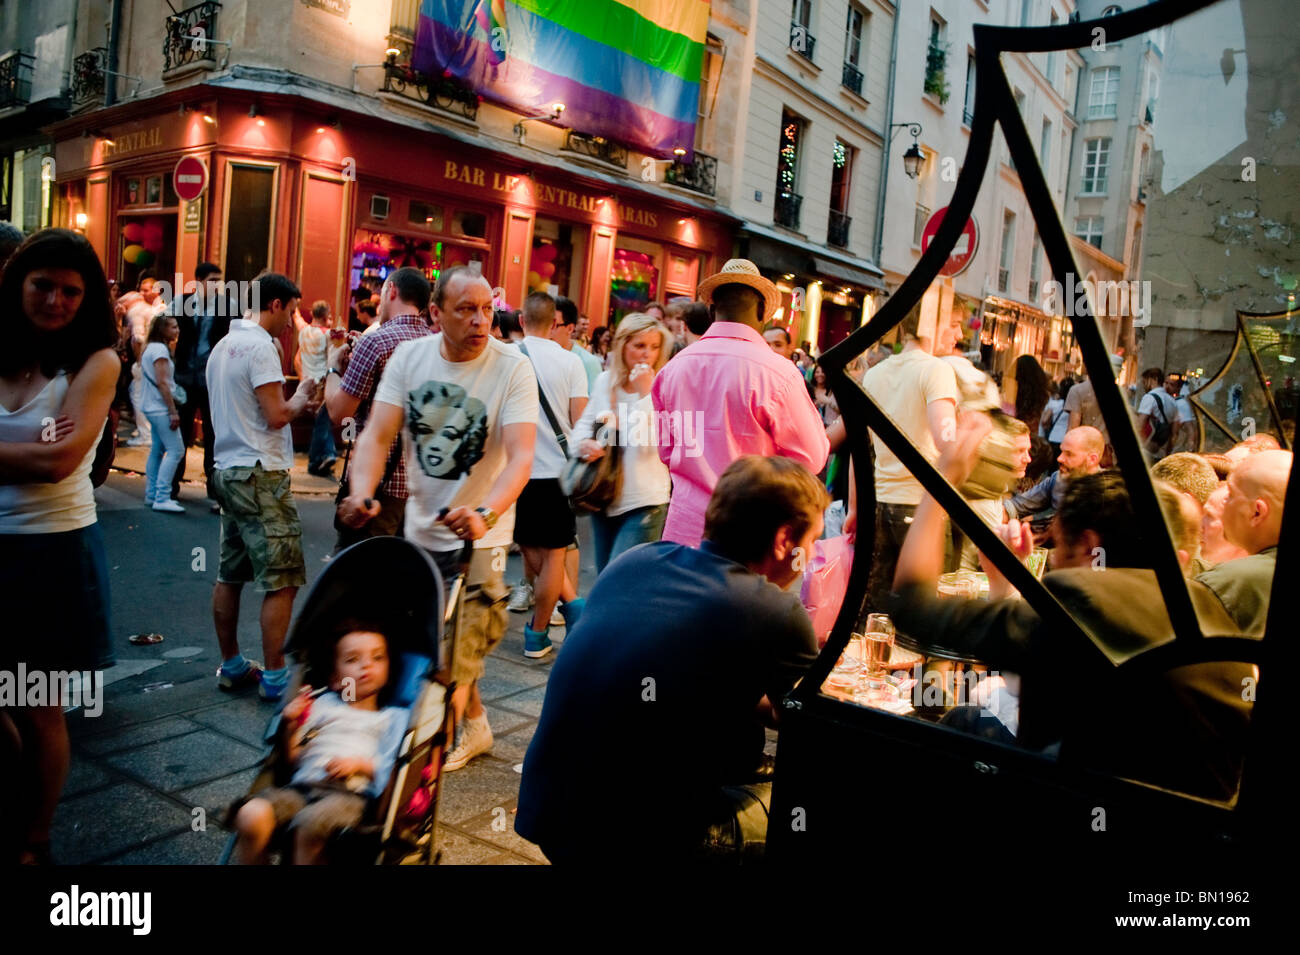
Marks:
<point>88,75</point>
<point>15,78</point>
<point>442,92</point>
<point>786,211</point>
<point>801,41</point>
<point>852,79</point>
<point>189,36</point>
<point>700,175</point>
<point>837,230</point>
<point>596,147</point>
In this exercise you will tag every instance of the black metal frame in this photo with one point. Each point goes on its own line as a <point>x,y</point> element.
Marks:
<point>178,44</point>
<point>88,76</point>
<point>441,92</point>
<point>595,147</point>
<point>16,78</point>
<point>699,175</point>
<point>808,709</point>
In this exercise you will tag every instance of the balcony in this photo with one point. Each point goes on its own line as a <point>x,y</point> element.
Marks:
<point>596,147</point>
<point>441,92</point>
<point>1004,279</point>
<point>786,210</point>
<point>801,41</point>
<point>700,175</point>
<point>837,230</point>
<point>16,79</point>
<point>88,76</point>
<point>187,41</point>
<point>851,79</point>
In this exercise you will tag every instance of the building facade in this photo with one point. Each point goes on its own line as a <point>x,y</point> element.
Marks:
<point>330,159</point>
<point>1000,285</point>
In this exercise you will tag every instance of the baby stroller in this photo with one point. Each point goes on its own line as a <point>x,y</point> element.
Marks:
<point>392,581</point>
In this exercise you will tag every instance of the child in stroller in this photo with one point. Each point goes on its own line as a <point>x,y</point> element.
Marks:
<point>342,744</point>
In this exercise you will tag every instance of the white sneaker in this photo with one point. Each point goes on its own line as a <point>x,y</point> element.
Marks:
<point>473,738</point>
<point>557,618</point>
<point>138,442</point>
<point>170,506</point>
<point>521,597</point>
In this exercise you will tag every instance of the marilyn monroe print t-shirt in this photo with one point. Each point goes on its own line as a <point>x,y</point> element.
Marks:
<point>452,416</point>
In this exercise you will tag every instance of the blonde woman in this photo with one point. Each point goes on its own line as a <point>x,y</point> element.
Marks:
<point>620,398</point>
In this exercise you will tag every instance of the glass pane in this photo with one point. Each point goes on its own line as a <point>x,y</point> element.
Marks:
<point>248,232</point>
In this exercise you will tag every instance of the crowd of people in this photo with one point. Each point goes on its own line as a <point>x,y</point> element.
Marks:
<point>466,428</point>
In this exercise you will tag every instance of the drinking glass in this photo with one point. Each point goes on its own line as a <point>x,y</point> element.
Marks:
<point>878,643</point>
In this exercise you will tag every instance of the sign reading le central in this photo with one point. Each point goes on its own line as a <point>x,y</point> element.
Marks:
<point>467,175</point>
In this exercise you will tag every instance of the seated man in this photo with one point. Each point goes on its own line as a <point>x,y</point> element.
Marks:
<point>1183,730</point>
<point>1252,519</point>
<point>659,696</point>
<point>1081,451</point>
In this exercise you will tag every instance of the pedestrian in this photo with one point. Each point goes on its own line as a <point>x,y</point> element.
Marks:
<point>58,372</point>
<point>313,347</point>
<point>778,338</point>
<point>1055,421</point>
<point>1032,391</point>
<point>822,396</point>
<point>350,384</point>
<point>696,319</point>
<point>567,320</point>
<point>160,406</point>
<point>731,396</point>
<point>204,318</point>
<point>600,341</point>
<point>141,307</point>
<point>544,522</point>
<point>674,315</point>
<point>11,237</point>
<point>621,404</point>
<point>468,407</point>
<point>261,533</point>
<point>919,393</point>
<point>1156,415</point>
<point>680,643</point>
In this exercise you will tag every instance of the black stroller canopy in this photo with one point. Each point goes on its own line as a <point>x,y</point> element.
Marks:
<point>387,580</point>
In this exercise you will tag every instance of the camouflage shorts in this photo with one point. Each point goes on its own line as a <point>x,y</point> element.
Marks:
<point>261,534</point>
<point>483,617</point>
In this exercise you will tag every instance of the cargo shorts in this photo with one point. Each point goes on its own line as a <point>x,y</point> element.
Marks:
<point>320,811</point>
<point>261,534</point>
<point>483,615</point>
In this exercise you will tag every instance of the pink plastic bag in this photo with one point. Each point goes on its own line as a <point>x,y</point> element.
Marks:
<point>825,580</point>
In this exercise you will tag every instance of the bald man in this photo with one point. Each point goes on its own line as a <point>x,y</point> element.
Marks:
<point>1081,451</point>
<point>1252,519</point>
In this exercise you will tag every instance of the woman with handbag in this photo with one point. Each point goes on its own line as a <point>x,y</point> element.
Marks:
<point>160,404</point>
<point>620,396</point>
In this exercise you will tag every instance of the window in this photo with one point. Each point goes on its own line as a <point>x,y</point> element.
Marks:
<point>853,39</point>
<point>801,38</point>
<point>710,74</point>
<point>1008,255</point>
<point>1153,93</point>
<point>837,226</point>
<point>1026,13</point>
<point>936,59</point>
<point>1045,144</point>
<point>787,170</point>
<point>918,224</point>
<point>1088,228</point>
<point>968,110</point>
<point>1103,96</point>
<point>1034,272</point>
<point>1051,56</point>
<point>1096,159</point>
<point>248,233</point>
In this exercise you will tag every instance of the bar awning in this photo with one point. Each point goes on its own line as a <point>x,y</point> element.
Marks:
<point>846,273</point>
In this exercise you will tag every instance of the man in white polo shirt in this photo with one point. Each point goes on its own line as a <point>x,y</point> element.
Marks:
<point>261,535</point>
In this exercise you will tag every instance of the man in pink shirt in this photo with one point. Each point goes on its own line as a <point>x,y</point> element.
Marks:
<point>730,395</point>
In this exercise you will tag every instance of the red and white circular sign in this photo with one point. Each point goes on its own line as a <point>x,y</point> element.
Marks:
<point>962,253</point>
<point>189,178</point>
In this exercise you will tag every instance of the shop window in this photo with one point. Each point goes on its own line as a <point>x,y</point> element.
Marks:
<point>551,266</point>
<point>426,214</point>
<point>633,284</point>
<point>473,225</point>
<point>146,242</point>
<point>375,255</point>
<point>248,230</point>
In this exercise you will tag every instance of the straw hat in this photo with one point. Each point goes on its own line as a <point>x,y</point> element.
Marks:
<point>743,272</point>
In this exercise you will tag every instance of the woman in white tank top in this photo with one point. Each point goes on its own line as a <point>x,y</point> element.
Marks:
<point>58,374</point>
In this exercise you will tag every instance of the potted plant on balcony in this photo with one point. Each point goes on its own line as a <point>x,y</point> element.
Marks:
<point>936,82</point>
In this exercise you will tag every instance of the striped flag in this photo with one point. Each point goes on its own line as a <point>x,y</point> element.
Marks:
<point>627,70</point>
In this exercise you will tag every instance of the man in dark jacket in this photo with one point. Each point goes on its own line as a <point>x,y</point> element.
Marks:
<point>204,317</point>
<point>655,708</point>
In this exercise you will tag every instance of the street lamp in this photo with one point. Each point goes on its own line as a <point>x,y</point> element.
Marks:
<point>557,109</point>
<point>913,159</point>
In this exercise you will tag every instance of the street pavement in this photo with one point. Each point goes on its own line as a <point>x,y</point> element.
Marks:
<point>152,775</point>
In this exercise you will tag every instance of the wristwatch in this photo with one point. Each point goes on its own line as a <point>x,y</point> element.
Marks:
<point>334,371</point>
<point>489,516</point>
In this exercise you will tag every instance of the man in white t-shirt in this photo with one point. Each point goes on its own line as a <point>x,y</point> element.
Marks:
<point>1157,415</point>
<point>919,393</point>
<point>467,407</point>
<point>1185,430</point>
<point>544,526</point>
<point>261,534</point>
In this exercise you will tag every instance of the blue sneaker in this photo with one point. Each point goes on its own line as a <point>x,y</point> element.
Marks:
<point>231,683</point>
<point>536,644</point>
<point>571,611</point>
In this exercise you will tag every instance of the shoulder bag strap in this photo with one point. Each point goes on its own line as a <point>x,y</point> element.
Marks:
<point>546,406</point>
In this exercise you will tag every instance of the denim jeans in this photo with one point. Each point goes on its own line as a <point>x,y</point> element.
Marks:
<point>165,457</point>
<point>322,440</point>
<point>613,535</point>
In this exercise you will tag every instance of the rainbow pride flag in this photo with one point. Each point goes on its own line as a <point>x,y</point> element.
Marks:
<point>627,70</point>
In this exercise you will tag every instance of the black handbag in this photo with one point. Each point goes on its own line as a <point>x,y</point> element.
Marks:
<point>592,486</point>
